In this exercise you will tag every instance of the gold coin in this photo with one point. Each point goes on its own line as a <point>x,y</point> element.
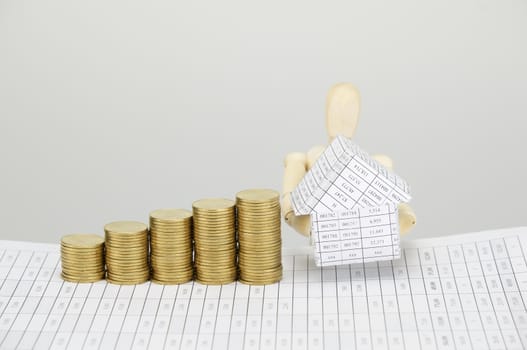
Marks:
<point>260,210</point>
<point>254,225</point>
<point>215,225</point>
<point>83,274</point>
<point>135,249</point>
<point>131,251</point>
<point>172,241</point>
<point>260,249</point>
<point>93,274</point>
<point>125,228</point>
<point>266,277</point>
<point>171,214</point>
<point>160,256</point>
<point>129,239</point>
<point>209,273</point>
<point>249,261</point>
<point>216,276</point>
<point>172,238</point>
<point>172,234</point>
<point>260,282</point>
<point>72,274</point>
<point>179,275</point>
<point>260,246</point>
<point>180,247</point>
<point>79,266</point>
<point>82,241</point>
<point>126,282</point>
<point>216,272</point>
<point>127,268</point>
<point>82,253</point>
<point>170,254</point>
<point>128,273</point>
<point>127,258</point>
<point>217,237</point>
<point>215,282</point>
<point>215,240</point>
<point>171,265</point>
<point>215,265</point>
<point>173,272</point>
<point>83,260</point>
<point>258,267</point>
<point>257,195</point>
<point>268,207</point>
<point>172,275</point>
<point>268,235</point>
<point>253,275</point>
<point>172,282</point>
<point>204,256</point>
<point>213,204</point>
<point>126,264</point>
<point>82,279</point>
<point>277,266</point>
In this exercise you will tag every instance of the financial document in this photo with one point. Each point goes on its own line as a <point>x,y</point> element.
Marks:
<point>459,292</point>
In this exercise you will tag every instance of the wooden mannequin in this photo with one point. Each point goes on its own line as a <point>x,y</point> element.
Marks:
<point>342,117</point>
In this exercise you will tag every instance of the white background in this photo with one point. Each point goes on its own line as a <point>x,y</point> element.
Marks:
<point>110,109</point>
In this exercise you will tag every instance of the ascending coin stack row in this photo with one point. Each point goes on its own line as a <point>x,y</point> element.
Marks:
<point>203,244</point>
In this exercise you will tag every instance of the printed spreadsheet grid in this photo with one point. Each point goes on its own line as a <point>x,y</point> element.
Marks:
<point>356,236</point>
<point>468,295</point>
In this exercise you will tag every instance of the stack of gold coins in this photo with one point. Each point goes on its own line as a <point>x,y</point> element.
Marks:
<point>171,246</point>
<point>259,236</point>
<point>215,240</point>
<point>82,258</point>
<point>127,252</point>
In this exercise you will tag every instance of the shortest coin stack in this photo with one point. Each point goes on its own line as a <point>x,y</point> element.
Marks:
<point>82,258</point>
<point>127,252</point>
<point>171,246</point>
<point>259,236</point>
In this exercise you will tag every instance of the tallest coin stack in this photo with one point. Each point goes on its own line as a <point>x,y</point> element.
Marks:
<point>259,236</point>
